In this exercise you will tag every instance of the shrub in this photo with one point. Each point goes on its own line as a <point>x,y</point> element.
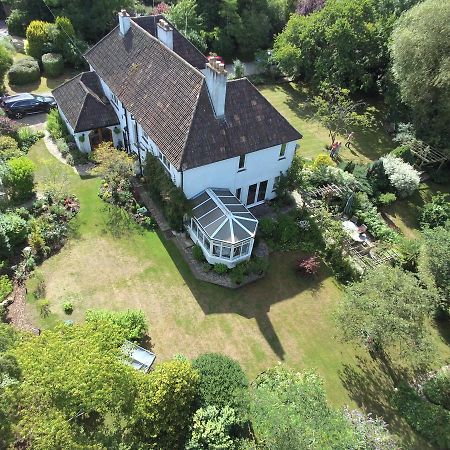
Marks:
<point>428,419</point>
<point>437,390</point>
<point>238,68</point>
<point>197,253</point>
<point>5,287</point>
<point>403,152</point>
<point>53,64</point>
<point>37,35</point>
<point>386,199</point>
<point>322,160</point>
<point>8,127</point>
<point>435,213</point>
<point>13,231</point>
<point>62,146</point>
<point>133,323</point>
<point>308,265</point>
<point>237,273</point>
<point>222,382</point>
<point>6,61</point>
<point>18,180</point>
<point>68,307</point>
<point>26,137</point>
<point>43,307</point>
<point>8,148</point>
<point>257,265</point>
<point>220,269</point>
<point>56,125</point>
<point>17,22</point>
<point>266,227</point>
<point>402,176</point>
<point>24,71</point>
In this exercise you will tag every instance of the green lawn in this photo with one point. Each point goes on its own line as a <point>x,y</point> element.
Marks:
<point>292,100</point>
<point>43,86</point>
<point>109,263</point>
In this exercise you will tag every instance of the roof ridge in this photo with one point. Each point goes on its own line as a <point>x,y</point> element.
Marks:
<point>194,69</point>
<point>79,115</point>
<point>68,81</point>
<point>89,91</point>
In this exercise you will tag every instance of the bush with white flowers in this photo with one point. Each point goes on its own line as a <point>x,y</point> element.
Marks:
<point>402,176</point>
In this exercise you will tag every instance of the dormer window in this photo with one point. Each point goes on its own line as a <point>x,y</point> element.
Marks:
<point>241,163</point>
<point>282,151</point>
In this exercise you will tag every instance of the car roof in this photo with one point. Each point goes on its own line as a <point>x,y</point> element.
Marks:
<point>18,97</point>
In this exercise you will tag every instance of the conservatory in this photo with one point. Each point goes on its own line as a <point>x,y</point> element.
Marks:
<point>222,226</point>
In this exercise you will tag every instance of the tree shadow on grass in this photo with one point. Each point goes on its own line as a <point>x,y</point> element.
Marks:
<point>119,223</point>
<point>252,301</point>
<point>371,385</point>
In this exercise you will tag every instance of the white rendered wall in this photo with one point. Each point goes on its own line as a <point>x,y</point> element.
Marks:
<point>259,166</point>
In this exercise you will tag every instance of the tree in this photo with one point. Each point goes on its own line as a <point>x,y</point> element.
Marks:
<point>419,50</point>
<point>222,383</point>
<point>37,36</point>
<point>339,43</point>
<point>338,112</point>
<point>238,68</point>
<point>402,176</point>
<point>387,311</point>
<point>183,15</point>
<point>211,429</point>
<point>13,231</point>
<point>434,261</point>
<point>19,178</point>
<point>164,405</point>
<point>306,7</point>
<point>6,61</point>
<point>436,212</point>
<point>74,374</point>
<point>289,411</point>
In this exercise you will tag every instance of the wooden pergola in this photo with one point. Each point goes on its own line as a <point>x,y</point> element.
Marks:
<point>371,257</point>
<point>427,154</point>
<point>328,190</point>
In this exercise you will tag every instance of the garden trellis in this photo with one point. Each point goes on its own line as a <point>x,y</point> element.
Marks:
<point>428,155</point>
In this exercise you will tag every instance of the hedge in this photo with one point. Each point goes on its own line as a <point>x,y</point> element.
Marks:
<point>8,148</point>
<point>53,64</point>
<point>24,71</point>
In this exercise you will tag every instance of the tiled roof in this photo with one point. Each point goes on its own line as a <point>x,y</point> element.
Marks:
<point>251,123</point>
<point>157,86</point>
<point>181,45</point>
<point>84,104</point>
<point>169,98</point>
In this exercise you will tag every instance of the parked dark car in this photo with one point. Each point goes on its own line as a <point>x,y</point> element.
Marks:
<point>17,106</point>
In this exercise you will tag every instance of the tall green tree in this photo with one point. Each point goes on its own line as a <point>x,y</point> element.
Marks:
<point>387,311</point>
<point>338,112</point>
<point>420,52</point>
<point>289,411</point>
<point>340,44</point>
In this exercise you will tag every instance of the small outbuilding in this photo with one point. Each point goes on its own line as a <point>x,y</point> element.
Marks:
<point>138,357</point>
<point>222,226</point>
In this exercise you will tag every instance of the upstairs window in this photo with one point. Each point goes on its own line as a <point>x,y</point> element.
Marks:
<point>282,151</point>
<point>241,162</point>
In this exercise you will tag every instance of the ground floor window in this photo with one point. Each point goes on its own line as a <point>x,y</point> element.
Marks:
<point>257,192</point>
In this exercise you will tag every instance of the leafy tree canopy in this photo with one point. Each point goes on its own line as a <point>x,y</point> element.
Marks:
<point>420,52</point>
<point>387,310</point>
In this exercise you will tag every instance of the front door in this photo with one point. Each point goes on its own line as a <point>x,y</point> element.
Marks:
<point>262,191</point>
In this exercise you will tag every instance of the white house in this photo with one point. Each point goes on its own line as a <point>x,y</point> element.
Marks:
<point>151,91</point>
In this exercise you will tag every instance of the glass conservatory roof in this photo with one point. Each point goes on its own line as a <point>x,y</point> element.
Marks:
<point>223,217</point>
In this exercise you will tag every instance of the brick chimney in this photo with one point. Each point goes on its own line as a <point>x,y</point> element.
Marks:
<point>165,33</point>
<point>124,22</point>
<point>216,81</point>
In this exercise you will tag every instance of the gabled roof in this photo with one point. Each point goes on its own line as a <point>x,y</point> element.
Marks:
<point>84,104</point>
<point>181,46</point>
<point>223,217</point>
<point>168,96</point>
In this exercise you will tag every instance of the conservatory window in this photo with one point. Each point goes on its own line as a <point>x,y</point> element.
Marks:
<point>236,252</point>
<point>226,251</point>
<point>207,244</point>
<point>216,250</point>
<point>245,248</point>
<point>194,227</point>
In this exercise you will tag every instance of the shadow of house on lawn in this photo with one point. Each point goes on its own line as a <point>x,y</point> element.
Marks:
<point>254,300</point>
